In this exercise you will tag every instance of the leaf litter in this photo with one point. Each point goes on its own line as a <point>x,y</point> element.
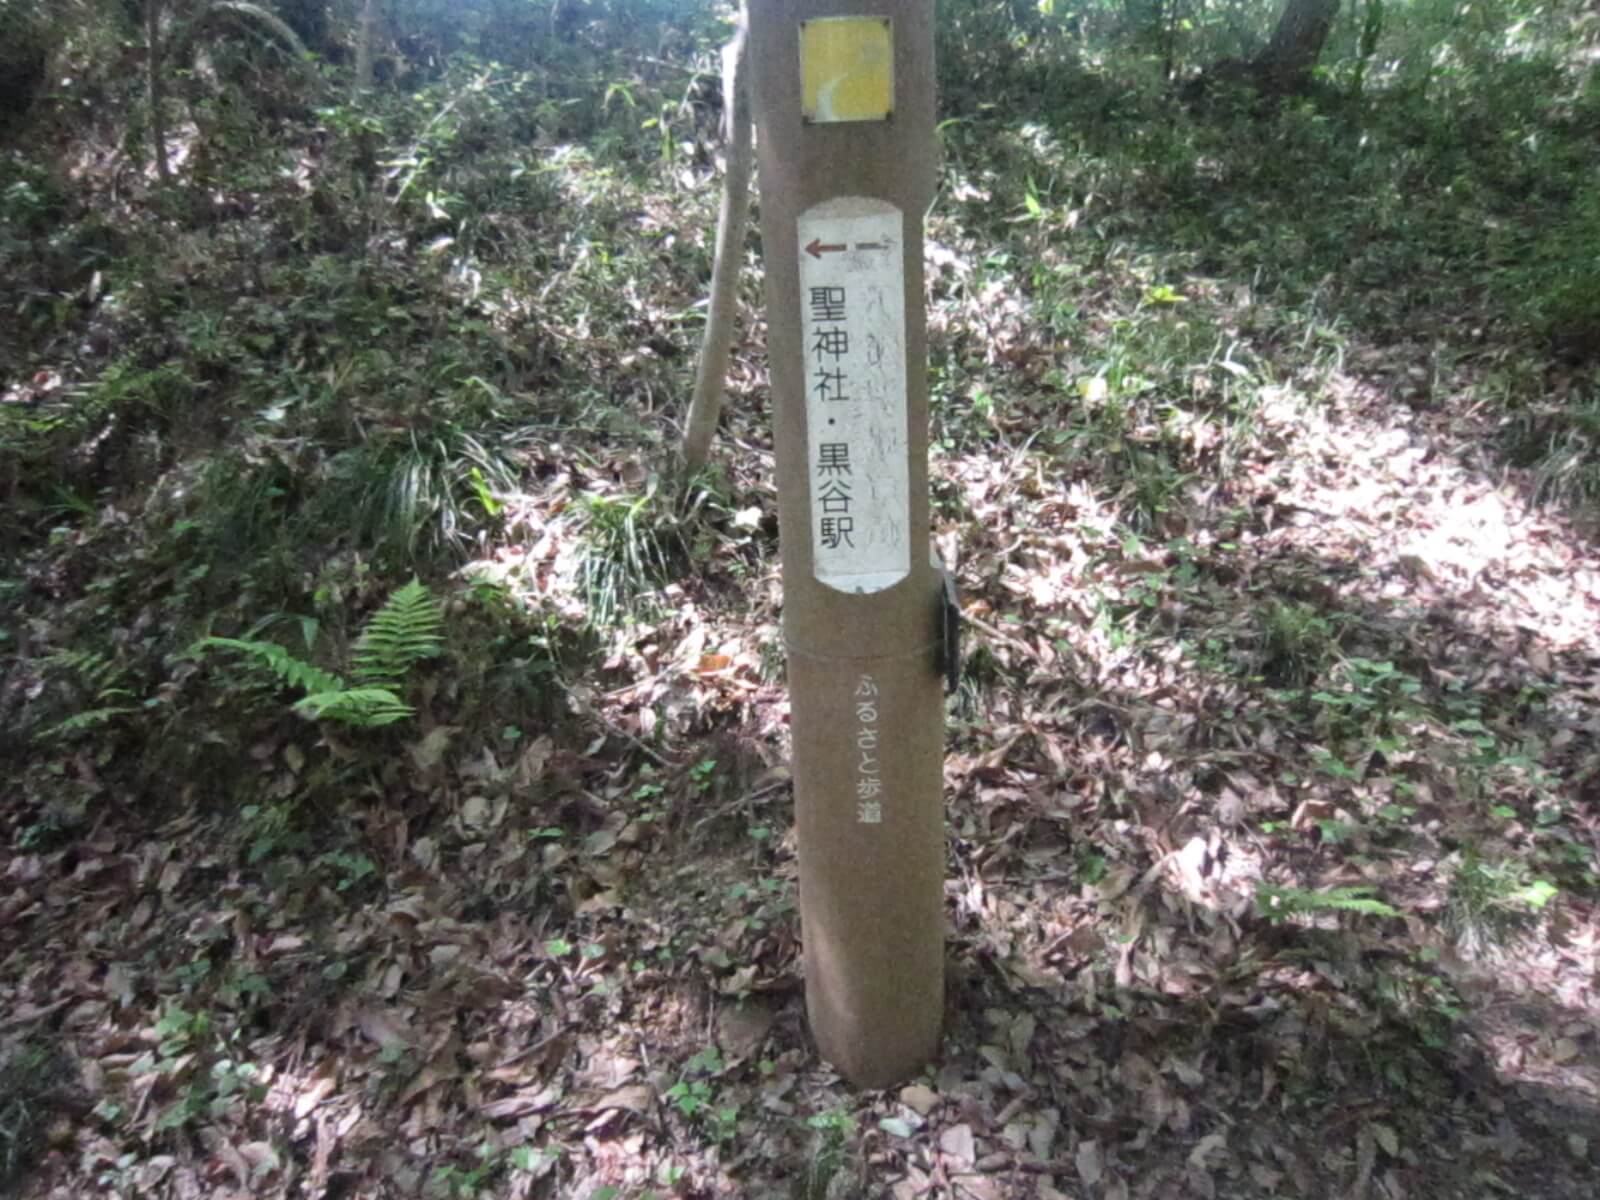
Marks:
<point>1344,658</point>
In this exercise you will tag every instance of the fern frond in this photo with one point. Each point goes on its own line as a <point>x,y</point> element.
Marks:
<point>1357,899</point>
<point>79,722</point>
<point>367,707</point>
<point>399,635</point>
<point>286,666</point>
<point>1276,903</point>
<point>96,671</point>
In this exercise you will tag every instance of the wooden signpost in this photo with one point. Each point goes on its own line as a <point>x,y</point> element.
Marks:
<point>844,104</point>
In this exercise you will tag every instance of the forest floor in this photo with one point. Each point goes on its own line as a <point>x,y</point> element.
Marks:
<point>1273,778</point>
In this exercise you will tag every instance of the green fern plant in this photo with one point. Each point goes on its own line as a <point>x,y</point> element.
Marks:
<point>399,635</point>
<point>1278,903</point>
<point>288,668</point>
<point>99,679</point>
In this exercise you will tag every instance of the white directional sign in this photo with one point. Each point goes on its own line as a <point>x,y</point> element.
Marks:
<point>852,304</point>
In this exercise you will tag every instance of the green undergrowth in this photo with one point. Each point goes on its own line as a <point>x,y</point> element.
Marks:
<point>37,1087</point>
<point>399,636</point>
<point>1168,262</point>
<point>348,347</point>
<point>339,351</point>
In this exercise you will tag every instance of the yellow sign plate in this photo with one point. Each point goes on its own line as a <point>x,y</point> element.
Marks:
<point>847,69</point>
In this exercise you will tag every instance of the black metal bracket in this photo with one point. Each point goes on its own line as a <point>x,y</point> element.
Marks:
<point>949,632</point>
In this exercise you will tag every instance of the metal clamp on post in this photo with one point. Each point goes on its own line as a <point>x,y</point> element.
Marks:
<point>949,632</point>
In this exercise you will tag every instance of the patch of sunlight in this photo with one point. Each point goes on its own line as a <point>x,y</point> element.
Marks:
<point>1370,484</point>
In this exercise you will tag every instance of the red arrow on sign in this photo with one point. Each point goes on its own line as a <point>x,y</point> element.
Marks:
<point>817,249</point>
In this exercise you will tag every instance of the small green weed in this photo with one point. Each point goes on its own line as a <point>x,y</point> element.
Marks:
<point>457,1182</point>
<point>267,829</point>
<point>1560,442</point>
<point>194,1057</point>
<point>454,1181</point>
<point>833,1130</point>
<point>351,870</point>
<point>696,1095</point>
<point>768,901</point>
<point>1370,697</point>
<point>702,774</point>
<point>1414,992</point>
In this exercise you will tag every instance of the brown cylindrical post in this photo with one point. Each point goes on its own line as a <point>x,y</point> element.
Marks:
<point>844,105</point>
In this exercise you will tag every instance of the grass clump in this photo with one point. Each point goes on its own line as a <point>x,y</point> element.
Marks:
<point>1560,442</point>
<point>36,1086</point>
<point>630,546</point>
<point>1298,643</point>
<point>1490,900</point>
<point>419,496</point>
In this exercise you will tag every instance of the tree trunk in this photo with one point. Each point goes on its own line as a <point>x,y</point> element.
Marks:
<point>156,88</point>
<point>24,56</point>
<point>1286,64</point>
<point>309,20</point>
<point>369,20</point>
<point>710,376</point>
